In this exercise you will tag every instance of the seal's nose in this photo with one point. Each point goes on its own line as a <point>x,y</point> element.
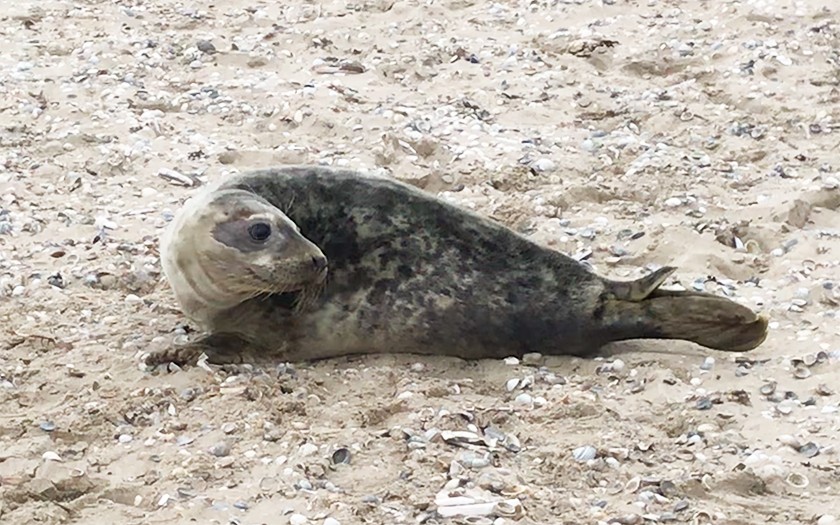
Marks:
<point>319,262</point>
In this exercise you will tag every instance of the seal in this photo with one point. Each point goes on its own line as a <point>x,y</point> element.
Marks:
<point>303,263</point>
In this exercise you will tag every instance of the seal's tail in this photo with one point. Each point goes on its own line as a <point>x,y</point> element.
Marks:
<point>640,310</point>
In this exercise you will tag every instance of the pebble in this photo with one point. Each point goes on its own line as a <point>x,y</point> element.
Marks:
<point>47,426</point>
<point>523,399</point>
<point>298,519</point>
<point>206,46</point>
<point>307,449</point>
<point>544,165</point>
<point>331,521</point>
<point>188,394</point>
<point>133,299</point>
<point>220,450</point>
<point>50,456</point>
<point>827,519</point>
<point>708,363</point>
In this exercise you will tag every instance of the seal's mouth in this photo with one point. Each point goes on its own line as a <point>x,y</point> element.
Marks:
<point>279,283</point>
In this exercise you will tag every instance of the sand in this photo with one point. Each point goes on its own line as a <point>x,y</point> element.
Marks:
<point>698,134</point>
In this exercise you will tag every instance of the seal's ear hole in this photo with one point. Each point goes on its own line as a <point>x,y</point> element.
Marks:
<point>259,231</point>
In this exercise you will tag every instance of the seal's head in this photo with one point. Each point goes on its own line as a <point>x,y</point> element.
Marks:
<point>228,246</point>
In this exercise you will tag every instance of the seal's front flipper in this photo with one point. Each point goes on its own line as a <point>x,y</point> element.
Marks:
<point>220,349</point>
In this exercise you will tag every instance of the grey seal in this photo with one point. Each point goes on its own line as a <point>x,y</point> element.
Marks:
<point>308,262</point>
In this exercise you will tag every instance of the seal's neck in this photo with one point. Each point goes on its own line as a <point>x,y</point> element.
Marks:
<point>200,297</point>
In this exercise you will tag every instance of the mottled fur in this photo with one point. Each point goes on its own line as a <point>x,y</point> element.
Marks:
<point>411,273</point>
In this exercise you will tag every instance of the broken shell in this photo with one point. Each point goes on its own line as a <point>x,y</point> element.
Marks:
<point>341,456</point>
<point>809,449</point>
<point>815,359</point>
<point>474,460</point>
<point>460,507</point>
<point>584,453</point>
<point>633,484</point>
<point>455,437</point>
<point>823,390</point>
<point>788,440</point>
<point>768,389</point>
<point>51,456</point>
<point>783,409</point>
<point>794,479</point>
<point>511,508</point>
<point>269,484</point>
<point>801,372</point>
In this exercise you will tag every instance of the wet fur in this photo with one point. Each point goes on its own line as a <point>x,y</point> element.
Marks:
<point>411,273</point>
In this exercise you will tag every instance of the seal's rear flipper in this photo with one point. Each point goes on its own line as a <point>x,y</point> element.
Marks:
<point>640,310</point>
<point>706,319</point>
<point>640,289</point>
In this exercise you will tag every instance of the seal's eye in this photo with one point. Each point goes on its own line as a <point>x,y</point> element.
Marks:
<point>259,231</point>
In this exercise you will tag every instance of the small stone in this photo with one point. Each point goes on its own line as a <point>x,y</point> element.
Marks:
<point>206,46</point>
<point>827,519</point>
<point>298,519</point>
<point>125,438</point>
<point>304,484</point>
<point>523,399</point>
<point>512,361</point>
<point>50,456</point>
<point>708,363</point>
<point>47,426</point>
<point>331,521</point>
<point>673,202</point>
<point>220,450</point>
<point>307,449</point>
<point>229,428</point>
<point>418,367</point>
<point>543,165</point>
<point>188,394</point>
<point>704,403</point>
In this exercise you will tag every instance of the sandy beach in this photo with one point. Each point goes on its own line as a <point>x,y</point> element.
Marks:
<point>704,135</point>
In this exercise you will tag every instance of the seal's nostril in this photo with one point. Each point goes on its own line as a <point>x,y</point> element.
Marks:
<point>319,261</point>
